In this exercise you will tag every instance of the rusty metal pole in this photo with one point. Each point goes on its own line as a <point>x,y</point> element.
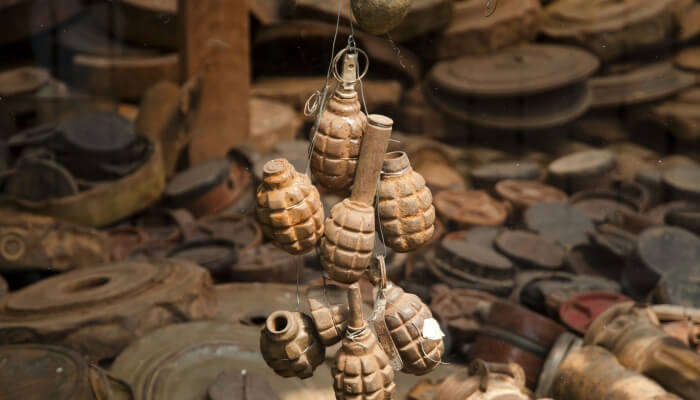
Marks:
<point>215,44</point>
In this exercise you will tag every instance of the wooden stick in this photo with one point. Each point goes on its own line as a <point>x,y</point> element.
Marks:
<point>356,320</point>
<point>372,151</point>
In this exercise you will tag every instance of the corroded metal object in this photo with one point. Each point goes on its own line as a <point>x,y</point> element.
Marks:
<point>34,242</point>
<point>591,372</point>
<point>379,16</point>
<point>337,142</point>
<point>633,335</point>
<point>330,320</point>
<point>405,317</point>
<point>565,344</point>
<point>460,310</point>
<point>405,207</point>
<point>99,311</point>
<point>289,208</point>
<point>361,370</point>
<point>346,248</point>
<point>290,345</point>
<point>486,381</point>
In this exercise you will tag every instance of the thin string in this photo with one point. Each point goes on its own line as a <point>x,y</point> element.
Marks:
<point>299,267</point>
<point>379,219</point>
<point>328,304</point>
<point>353,334</point>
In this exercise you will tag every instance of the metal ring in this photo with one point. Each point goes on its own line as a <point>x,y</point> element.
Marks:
<point>336,74</point>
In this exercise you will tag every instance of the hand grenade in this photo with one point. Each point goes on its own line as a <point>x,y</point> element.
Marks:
<point>379,16</point>
<point>290,346</point>
<point>337,142</point>
<point>330,322</point>
<point>361,370</point>
<point>405,316</point>
<point>406,211</point>
<point>289,208</point>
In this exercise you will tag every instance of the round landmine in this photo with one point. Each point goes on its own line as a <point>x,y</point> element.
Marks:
<point>610,29</point>
<point>606,255</point>
<point>621,196</point>
<point>35,371</point>
<point>264,263</point>
<point>215,255</point>
<point>523,194</point>
<point>460,310</point>
<point>481,235</point>
<point>22,81</point>
<point>559,222</point>
<point>685,217</point>
<point>641,85</point>
<point>469,208</point>
<point>688,59</point>
<point>182,361</point>
<point>659,214</point>
<point>471,33</point>
<point>580,312</point>
<point>565,344</point>
<point>98,134</point>
<point>99,311</point>
<point>683,182</point>
<point>530,250</point>
<point>488,175</point>
<point>599,208</point>
<point>270,123</point>
<point>581,170</point>
<point>660,251</point>
<point>37,179</point>
<point>241,303</point>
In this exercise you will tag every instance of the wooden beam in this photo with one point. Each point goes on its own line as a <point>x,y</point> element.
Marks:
<point>215,44</point>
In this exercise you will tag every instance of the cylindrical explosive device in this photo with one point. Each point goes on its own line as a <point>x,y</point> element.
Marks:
<point>379,16</point>
<point>336,146</point>
<point>593,373</point>
<point>290,345</point>
<point>289,208</point>
<point>346,249</point>
<point>361,370</point>
<point>405,210</point>
<point>634,336</point>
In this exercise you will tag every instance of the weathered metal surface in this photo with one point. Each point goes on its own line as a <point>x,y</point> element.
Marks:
<point>486,381</point>
<point>580,312</point>
<point>33,242</point>
<point>266,263</point>
<point>559,222</point>
<point>461,310</point>
<point>290,345</point>
<point>37,372</point>
<point>523,194</point>
<point>182,361</point>
<point>204,189</point>
<point>469,208</point>
<point>272,122</point>
<point>329,312</point>
<point>22,81</point>
<point>150,23</point>
<point>632,334</point>
<point>487,175</point>
<point>405,205</point>
<point>683,182</point>
<point>99,311</point>
<point>581,170</point>
<point>37,179</point>
<point>529,250</point>
<point>3,288</point>
<point>25,18</point>
<point>215,255</point>
<point>591,372</point>
<point>565,344</point>
<point>611,29</point>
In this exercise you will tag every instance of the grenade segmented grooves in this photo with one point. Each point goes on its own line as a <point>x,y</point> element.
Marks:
<point>290,346</point>
<point>330,322</point>
<point>346,249</point>
<point>405,210</point>
<point>289,208</point>
<point>362,371</point>
<point>337,142</point>
<point>405,315</point>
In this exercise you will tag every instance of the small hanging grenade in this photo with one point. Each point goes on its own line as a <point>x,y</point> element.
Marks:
<point>289,208</point>
<point>415,333</point>
<point>330,322</point>
<point>346,249</point>
<point>379,16</point>
<point>361,370</point>
<point>290,346</point>
<point>337,142</point>
<point>405,209</point>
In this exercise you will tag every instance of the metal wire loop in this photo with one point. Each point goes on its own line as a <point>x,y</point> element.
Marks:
<point>312,103</point>
<point>336,73</point>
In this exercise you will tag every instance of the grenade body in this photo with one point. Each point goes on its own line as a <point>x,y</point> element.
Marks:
<point>290,345</point>
<point>379,16</point>
<point>330,322</point>
<point>289,208</point>
<point>346,249</point>
<point>405,315</point>
<point>337,142</point>
<point>362,370</point>
<point>405,210</point>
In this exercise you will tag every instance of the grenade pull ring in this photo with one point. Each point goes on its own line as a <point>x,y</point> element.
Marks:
<point>350,76</point>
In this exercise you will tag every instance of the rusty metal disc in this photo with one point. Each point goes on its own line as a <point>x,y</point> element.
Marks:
<point>683,182</point>
<point>686,218</point>
<point>38,179</point>
<point>486,176</point>
<point>240,386</point>
<point>499,347</point>
<point>515,71</point>
<point>241,303</point>
<point>523,194</point>
<point>86,309</point>
<point>216,255</point>
<point>21,81</point>
<point>575,171</point>
<point>267,263</point>
<point>689,59</point>
<point>481,235</point>
<point>37,372</point>
<point>99,133</point>
<point>530,250</point>
<point>525,323</point>
<point>460,310</point>
<point>469,208</point>
<point>196,182</point>
<point>651,82</point>
<point>459,278</point>
<point>578,313</point>
<point>599,208</point>
<point>182,361</point>
<point>559,222</point>
<point>475,259</point>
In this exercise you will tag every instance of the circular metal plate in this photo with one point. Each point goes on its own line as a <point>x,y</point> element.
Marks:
<point>582,310</point>
<point>559,222</point>
<point>98,132</point>
<point>527,193</point>
<point>531,250</point>
<point>22,80</point>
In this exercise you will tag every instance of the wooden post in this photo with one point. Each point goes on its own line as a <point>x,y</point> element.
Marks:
<point>372,151</point>
<point>215,43</point>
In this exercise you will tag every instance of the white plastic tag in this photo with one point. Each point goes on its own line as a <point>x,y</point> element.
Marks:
<point>431,330</point>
